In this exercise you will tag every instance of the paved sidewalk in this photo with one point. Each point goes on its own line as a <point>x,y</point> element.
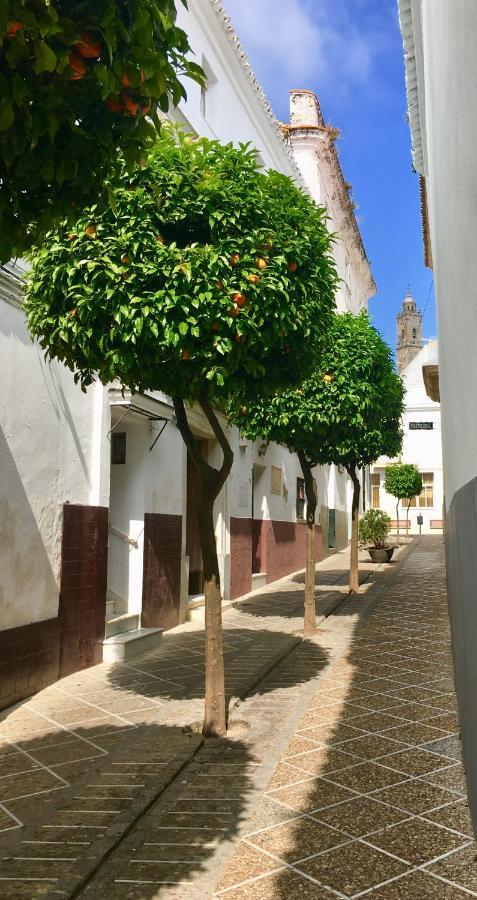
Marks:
<point>119,800</point>
<point>81,760</point>
<point>368,798</point>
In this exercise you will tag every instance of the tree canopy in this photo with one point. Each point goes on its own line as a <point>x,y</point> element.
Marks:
<point>402,480</point>
<point>204,272</point>
<point>77,81</point>
<point>347,412</point>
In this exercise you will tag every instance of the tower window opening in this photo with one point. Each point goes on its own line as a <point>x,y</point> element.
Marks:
<point>414,333</point>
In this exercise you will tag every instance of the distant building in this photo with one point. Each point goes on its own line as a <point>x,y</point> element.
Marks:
<point>422,430</point>
<point>409,332</point>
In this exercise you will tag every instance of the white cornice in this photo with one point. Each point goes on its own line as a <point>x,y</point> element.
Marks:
<point>410,30</point>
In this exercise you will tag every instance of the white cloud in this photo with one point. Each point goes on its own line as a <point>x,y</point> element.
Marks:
<point>296,41</point>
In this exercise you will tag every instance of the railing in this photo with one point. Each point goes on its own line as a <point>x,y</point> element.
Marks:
<point>124,537</point>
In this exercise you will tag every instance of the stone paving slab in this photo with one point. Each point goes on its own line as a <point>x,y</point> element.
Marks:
<point>86,758</point>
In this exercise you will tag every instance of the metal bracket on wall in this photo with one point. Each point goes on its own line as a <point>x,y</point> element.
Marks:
<point>158,436</point>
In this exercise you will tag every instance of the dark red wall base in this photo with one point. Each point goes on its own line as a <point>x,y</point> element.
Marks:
<point>161,592</point>
<point>277,548</point>
<point>33,656</point>
<point>29,660</point>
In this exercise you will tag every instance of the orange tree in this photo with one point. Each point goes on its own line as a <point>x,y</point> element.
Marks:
<point>77,80</point>
<point>205,277</point>
<point>347,413</point>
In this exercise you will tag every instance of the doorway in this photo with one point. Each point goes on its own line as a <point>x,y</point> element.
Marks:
<point>193,551</point>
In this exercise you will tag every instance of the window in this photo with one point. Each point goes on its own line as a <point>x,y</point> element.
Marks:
<point>300,498</point>
<point>118,448</point>
<point>426,497</point>
<point>414,333</point>
<point>375,490</point>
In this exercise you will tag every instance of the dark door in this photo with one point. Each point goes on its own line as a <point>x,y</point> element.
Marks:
<point>196,577</point>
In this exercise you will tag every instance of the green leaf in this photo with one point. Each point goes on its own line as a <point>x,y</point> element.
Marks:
<point>45,58</point>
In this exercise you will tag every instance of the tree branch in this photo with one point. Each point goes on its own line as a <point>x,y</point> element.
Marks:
<point>227,451</point>
<point>188,438</point>
<point>311,499</point>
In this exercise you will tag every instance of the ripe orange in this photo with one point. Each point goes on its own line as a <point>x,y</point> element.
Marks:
<point>234,259</point>
<point>90,230</point>
<point>239,299</point>
<point>72,236</point>
<point>253,279</point>
<point>73,312</point>
<point>219,285</point>
<point>185,354</point>
<point>293,266</point>
<point>125,259</point>
<point>13,27</point>
<point>261,263</point>
<point>125,81</point>
<point>78,65</point>
<point>214,326</point>
<point>328,378</point>
<point>113,104</point>
<point>131,105</point>
<point>88,47</point>
<point>238,337</point>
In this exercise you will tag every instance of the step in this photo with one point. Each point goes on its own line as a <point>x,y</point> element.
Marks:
<point>110,608</point>
<point>259,580</point>
<point>122,624</point>
<point>121,647</point>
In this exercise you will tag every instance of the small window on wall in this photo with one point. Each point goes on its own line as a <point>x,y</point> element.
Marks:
<point>300,498</point>
<point>414,333</point>
<point>425,500</point>
<point>375,490</point>
<point>118,448</point>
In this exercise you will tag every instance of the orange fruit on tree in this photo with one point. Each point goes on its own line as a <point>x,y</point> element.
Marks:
<point>234,259</point>
<point>293,266</point>
<point>90,230</point>
<point>219,285</point>
<point>146,106</point>
<point>88,47</point>
<point>125,259</point>
<point>261,263</point>
<point>131,105</point>
<point>185,354</point>
<point>239,299</point>
<point>328,378</point>
<point>253,279</point>
<point>114,104</point>
<point>214,326</point>
<point>77,63</point>
<point>126,82</point>
<point>13,28</point>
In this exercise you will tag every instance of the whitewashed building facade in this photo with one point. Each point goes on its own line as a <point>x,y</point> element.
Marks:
<point>97,493</point>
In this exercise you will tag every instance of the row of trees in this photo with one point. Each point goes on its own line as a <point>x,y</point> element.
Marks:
<point>213,281</point>
<point>177,265</point>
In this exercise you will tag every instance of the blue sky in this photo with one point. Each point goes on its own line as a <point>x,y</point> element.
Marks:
<point>350,53</point>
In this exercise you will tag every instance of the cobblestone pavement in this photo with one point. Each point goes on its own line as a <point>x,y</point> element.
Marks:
<point>368,798</point>
<point>340,772</point>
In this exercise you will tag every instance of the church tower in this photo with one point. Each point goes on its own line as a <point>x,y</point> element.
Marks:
<point>409,332</point>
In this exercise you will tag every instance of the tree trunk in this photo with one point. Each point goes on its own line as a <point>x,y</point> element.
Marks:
<point>407,520</point>
<point>215,715</point>
<point>353,562</point>
<point>397,521</point>
<point>309,625</point>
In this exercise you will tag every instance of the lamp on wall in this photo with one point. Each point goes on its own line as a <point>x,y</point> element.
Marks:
<point>263,449</point>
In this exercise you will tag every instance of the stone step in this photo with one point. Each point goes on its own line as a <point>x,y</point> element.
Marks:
<point>259,580</point>
<point>121,647</point>
<point>122,624</point>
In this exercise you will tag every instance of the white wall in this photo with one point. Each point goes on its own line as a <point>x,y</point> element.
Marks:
<point>47,457</point>
<point>423,448</point>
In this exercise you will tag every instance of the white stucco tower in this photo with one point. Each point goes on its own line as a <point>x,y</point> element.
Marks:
<point>409,332</point>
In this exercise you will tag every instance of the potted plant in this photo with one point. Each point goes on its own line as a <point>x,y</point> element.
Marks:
<point>374,529</point>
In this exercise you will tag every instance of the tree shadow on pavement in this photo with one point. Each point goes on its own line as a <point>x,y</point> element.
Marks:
<point>77,789</point>
<point>371,785</point>
<point>175,671</point>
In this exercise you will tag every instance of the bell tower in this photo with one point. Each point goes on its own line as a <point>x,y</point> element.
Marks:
<point>409,332</point>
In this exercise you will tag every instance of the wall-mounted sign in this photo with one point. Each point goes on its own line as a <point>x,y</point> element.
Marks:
<point>421,426</point>
<point>276,485</point>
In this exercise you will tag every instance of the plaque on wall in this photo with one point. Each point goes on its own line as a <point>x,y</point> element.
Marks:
<point>276,486</point>
<point>421,426</point>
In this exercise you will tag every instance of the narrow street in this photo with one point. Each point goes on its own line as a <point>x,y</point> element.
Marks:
<point>341,771</point>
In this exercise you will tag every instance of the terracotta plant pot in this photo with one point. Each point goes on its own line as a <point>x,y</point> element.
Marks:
<point>381,556</point>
